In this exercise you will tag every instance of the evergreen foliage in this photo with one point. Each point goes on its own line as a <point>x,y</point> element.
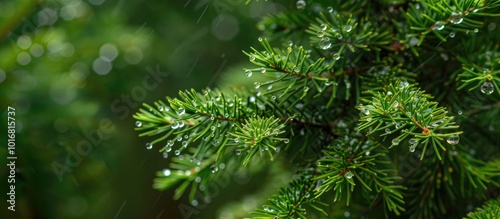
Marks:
<point>384,108</point>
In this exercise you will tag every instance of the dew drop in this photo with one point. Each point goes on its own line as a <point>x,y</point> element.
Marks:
<point>476,30</point>
<point>323,26</point>
<point>160,108</point>
<point>321,33</point>
<point>403,84</point>
<point>301,4</point>
<point>237,151</point>
<point>452,34</point>
<point>252,58</point>
<point>487,88</point>
<point>336,56</point>
<point>395,141</point>
<point>412,148</point>
<point>175,125</point>
<point>349,175</point>
<point>438,25</point>
<point>194,202</point>
<point>413,41</point>
<point>138,124</point>
<point>214,168</point>
<point>348,28</point>
<point>248,73</point>
<point>329,9</point>
<point>263,70</point>
<point>184,144</point>
<point>460,112</point>
<point>412,141</point>
<point>286,141</point>
<point>256,85</point>
<point>306,89</point>
<point>181,111</point>
<point>260,39</point>
<point>387,130</point>
<point>453,139</point>
<point>170,143</point>
<point>177,152</point>
<point>166,172</point>
<point>456,17</point>
<point>325,43</point>
<point>149,146</point>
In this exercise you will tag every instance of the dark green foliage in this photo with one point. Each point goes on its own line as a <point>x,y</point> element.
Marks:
<point>362,99</point>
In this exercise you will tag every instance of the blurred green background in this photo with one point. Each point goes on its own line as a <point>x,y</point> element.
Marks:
<point>77,70</point>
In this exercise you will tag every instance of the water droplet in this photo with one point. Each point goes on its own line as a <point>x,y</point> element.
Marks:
<point>452,34</point>
<point>347,214</point>
<point>149,146</point>
<point>403,84</point>
<point>301,4</point>
<point>336,56</point>
<point>181,111</point>
<point>413,141</point>
<point>194,202</point>
<point>349,175</point>
<point>286,140</point>
<point>256,85</point>
<point>252,58</point>
<point>184,144</point>
<point>252,99</point>
<point>413,41</point>
<point>248,73</point>
<point>177,152</point>
<point>260,39</point>
<point>438,25</point>
<point>265,207</point>
<point>321,34</point>
<point>237,151</point>
<point>456,17</point>
<point>263,70</point>
<point>329,9</point>
<point>412,148</point>
<point>306,89</point>
<point>170,143</point>
<point>453,139</point>
<point>175,125</point>
<point>323,26</point>
<point>138,124</point>
<point>214,168</point>
<point>487,88</point>
<point>273,97</point>
<point>325,43</point>
<point>365,111</point>
<point>395,141</point>
<point>348,28</point>
<point>460,112</point>
<point>387,130</point>
<point>270,87</point>
<point>166,172</point>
